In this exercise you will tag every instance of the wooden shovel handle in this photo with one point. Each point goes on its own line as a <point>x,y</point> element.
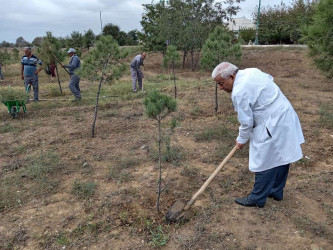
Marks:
<point>204,186</point>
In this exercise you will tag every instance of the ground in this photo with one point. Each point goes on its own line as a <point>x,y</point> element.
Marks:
<point>62,189</point>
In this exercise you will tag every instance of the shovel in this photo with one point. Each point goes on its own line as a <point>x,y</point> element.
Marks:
<point>180,212</point>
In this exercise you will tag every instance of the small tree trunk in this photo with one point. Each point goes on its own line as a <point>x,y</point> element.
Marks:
<point>97,98</point>
<point>174,78</point>
<point>216,100</point>
<point>96,107</point>
<point>160,167</point>
<point>58,78</point>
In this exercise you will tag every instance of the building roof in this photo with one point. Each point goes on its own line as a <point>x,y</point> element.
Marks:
<point>240,23</point>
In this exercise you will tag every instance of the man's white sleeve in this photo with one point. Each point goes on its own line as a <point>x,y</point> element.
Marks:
<point>245,117</point>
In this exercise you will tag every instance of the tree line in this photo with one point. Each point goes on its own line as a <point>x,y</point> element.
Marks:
<point>281,24</point>
<point>188,25</point>
<point>185,24</point>
<point>80,40</point>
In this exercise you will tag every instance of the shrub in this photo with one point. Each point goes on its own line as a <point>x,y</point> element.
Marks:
<point>13,94</point>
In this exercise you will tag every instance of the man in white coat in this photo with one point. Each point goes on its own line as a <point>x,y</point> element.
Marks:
<point>269,122</point>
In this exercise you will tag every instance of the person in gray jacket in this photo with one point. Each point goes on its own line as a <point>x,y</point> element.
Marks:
<point>136,73</point>
<point>1,75</point>
<point>74,82</point>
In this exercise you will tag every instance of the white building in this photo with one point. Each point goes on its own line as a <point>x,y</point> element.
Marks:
<point>240,23</point>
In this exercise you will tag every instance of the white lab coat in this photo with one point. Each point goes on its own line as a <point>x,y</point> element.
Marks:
<point>267,119</point>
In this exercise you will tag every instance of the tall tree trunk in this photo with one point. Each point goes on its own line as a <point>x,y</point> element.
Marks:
<point>192,60</point>
<point>58,78</point>
<point>159,164</point>
<point>174,78</point>
<point>184,59</point>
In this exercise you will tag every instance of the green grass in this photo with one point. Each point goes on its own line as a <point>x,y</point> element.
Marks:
<point>157,236</point>
<point>12,94</point>
<point>174,123</point>
<point>62,239</point>
<point>190,172</point>
<point>117,173</point>
<point>169,153</point>
<point>310,226</point>
<point>221,133</point>
<point>110,113</point>
<point>328,210</point>
<point>326,115</point>
<point>19,149</point>
<point>9,195</point>
<point>305,162</point>
<point>196,111</point>
<point>233,119</point>
<point>122,167</point>
<point>83,190</point>
<point>92,228</point>
<point>12,127</point>
<point>124,217</point>
<point>55,91</point>
<point>159,78</point>
<point>40,169</point>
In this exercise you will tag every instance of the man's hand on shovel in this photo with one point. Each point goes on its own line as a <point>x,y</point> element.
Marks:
<point>239,145</point>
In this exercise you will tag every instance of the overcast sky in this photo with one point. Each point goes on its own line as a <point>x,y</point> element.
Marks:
<point>32,18</point>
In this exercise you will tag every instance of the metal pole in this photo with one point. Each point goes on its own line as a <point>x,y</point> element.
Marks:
<point>100,18</point>
<point>257,29</point>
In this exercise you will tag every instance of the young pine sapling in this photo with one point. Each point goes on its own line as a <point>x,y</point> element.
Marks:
<point>172,56</point>
<point>158,106</point>
<point>219,47</point>
<point>103,63</point>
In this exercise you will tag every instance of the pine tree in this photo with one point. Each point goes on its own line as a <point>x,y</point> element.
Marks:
<point>103,64</point>
<point>50,53</point>
<point>89,38</point>
<point>172,56</point>
<point>217,48</point>
<point>319,37</point>
<point>158,106</point>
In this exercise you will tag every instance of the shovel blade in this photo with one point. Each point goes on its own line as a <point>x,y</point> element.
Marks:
<point>175,211</point>
<point>185,216</point>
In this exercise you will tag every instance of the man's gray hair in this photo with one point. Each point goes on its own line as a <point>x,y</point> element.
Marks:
<point>27,48</point>
<point>225,69</point>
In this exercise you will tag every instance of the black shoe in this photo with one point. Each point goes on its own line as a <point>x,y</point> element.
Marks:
<point>245,202</point>
<point>274,198</point>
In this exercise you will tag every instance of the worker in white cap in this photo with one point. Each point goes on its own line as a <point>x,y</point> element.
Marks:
<point>73,65</point>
